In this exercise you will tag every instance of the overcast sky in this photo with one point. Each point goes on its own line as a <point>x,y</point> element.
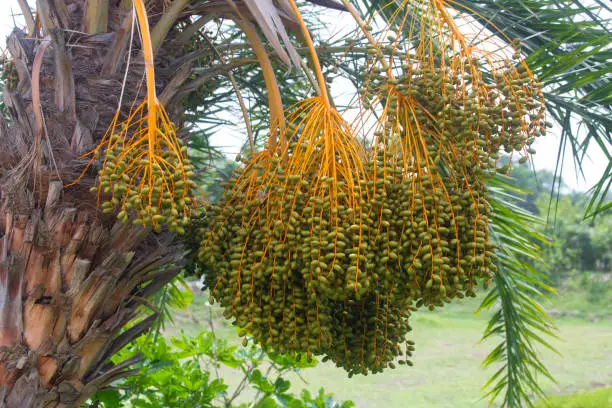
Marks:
<point>547,147</point>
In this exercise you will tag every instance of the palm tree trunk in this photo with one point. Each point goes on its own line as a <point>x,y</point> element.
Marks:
<point>71,278</point>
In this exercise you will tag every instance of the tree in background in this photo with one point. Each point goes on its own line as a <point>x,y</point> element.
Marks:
<point>536,185</point>
<point>74,278</point>
<point>575,244</point>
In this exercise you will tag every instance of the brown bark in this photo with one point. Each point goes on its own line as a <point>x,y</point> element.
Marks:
<point>71,278</point>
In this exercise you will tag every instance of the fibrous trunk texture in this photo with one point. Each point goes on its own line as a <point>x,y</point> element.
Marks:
<point>71,278</point>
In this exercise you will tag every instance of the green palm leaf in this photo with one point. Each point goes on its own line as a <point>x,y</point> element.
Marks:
<point>519,319</point>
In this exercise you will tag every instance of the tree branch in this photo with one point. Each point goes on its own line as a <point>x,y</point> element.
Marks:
<point>163,26</point>
<point>27,15</point>
<point>95,18</point>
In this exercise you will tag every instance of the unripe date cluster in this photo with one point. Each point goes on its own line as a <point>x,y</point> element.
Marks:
<point>302,271</point>
<point>148,191</point>
<point>472,118</point>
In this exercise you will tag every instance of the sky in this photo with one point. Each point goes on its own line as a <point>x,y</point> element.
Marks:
<point>547,148</point>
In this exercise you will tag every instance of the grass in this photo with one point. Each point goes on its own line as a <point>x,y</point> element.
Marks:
<point>447,370</point>
<point>600,398</point>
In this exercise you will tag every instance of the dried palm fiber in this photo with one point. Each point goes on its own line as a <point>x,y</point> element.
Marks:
<point>326,246</point>
<point>146,175</point>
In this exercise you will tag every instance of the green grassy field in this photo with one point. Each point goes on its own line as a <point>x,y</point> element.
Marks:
<point>588,399</point>
<point>447,371</point>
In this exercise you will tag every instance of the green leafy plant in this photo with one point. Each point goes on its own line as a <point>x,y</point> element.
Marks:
<point>201,371</point>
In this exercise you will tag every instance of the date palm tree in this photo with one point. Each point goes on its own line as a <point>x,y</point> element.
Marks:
<point>75,280</point>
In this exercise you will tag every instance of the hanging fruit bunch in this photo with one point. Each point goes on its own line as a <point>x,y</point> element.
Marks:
<point>146,176</point>
<point>325,246</point>
<point>147,179</point>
